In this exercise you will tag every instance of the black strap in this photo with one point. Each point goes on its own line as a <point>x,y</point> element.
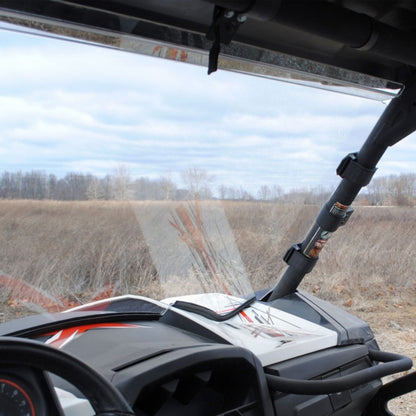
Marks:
<point>295,258</point>
<point>214,54</point>
<point>225,24</point>
<point>354,172</point>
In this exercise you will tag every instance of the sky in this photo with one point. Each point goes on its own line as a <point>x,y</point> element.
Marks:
<point>71,107</point>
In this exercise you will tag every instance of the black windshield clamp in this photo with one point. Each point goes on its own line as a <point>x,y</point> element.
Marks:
<point>333,216</point>
<point>354,172</point>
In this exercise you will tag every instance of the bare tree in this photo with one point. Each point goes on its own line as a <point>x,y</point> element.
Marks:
<point>377,191</point>
<point>402,189</point>
<point>277,192</point>
<point>393,190</point>
<point>264,193</point>
<point>244,195</point>
<point>198,182</point>
<point>52,186</point>
<point>222,191</point>
<point>121,181</point>
<point>168,187</point>
<point>95,189</point>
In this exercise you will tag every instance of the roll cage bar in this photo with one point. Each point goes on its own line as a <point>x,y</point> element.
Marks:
<point>356,170</point>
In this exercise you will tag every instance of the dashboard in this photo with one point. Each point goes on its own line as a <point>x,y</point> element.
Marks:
<point>158,370</point>
<point>159,362</point>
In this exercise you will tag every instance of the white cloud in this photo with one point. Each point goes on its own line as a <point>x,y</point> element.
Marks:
<point>96,108</point>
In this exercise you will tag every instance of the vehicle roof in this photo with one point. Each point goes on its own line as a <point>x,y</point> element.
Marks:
<point>364,42</point>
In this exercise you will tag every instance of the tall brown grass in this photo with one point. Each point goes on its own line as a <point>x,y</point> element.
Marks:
<point>72,249</point>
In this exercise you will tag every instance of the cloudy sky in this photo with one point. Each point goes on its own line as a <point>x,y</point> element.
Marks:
<point>70,107</point>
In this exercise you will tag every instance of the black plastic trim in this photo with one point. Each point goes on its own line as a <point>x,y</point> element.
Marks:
<point>37,325</point>
<point>392,363</point>
<point>210,314</point>
<point>314,365</point>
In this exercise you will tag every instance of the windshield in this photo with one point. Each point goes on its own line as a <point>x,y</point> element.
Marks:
<point>123,174</point>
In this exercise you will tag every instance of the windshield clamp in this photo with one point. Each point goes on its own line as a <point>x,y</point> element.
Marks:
<point>294,257</point>
<point>354,172</point>
<point>333,216</point>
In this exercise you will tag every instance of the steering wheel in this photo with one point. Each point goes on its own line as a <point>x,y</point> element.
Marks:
<point>105,399</point>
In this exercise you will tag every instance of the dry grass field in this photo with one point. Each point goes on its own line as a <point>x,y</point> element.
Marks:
<point>73,249</point>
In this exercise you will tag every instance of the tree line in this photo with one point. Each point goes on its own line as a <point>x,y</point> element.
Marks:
<point>119,185</point>
<point>392,190</point>
<point>388,190</point>
<point>80,187</point>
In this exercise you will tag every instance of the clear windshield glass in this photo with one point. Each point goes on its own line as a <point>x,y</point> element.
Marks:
<point>126,174</point>
<point>193,247</point>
